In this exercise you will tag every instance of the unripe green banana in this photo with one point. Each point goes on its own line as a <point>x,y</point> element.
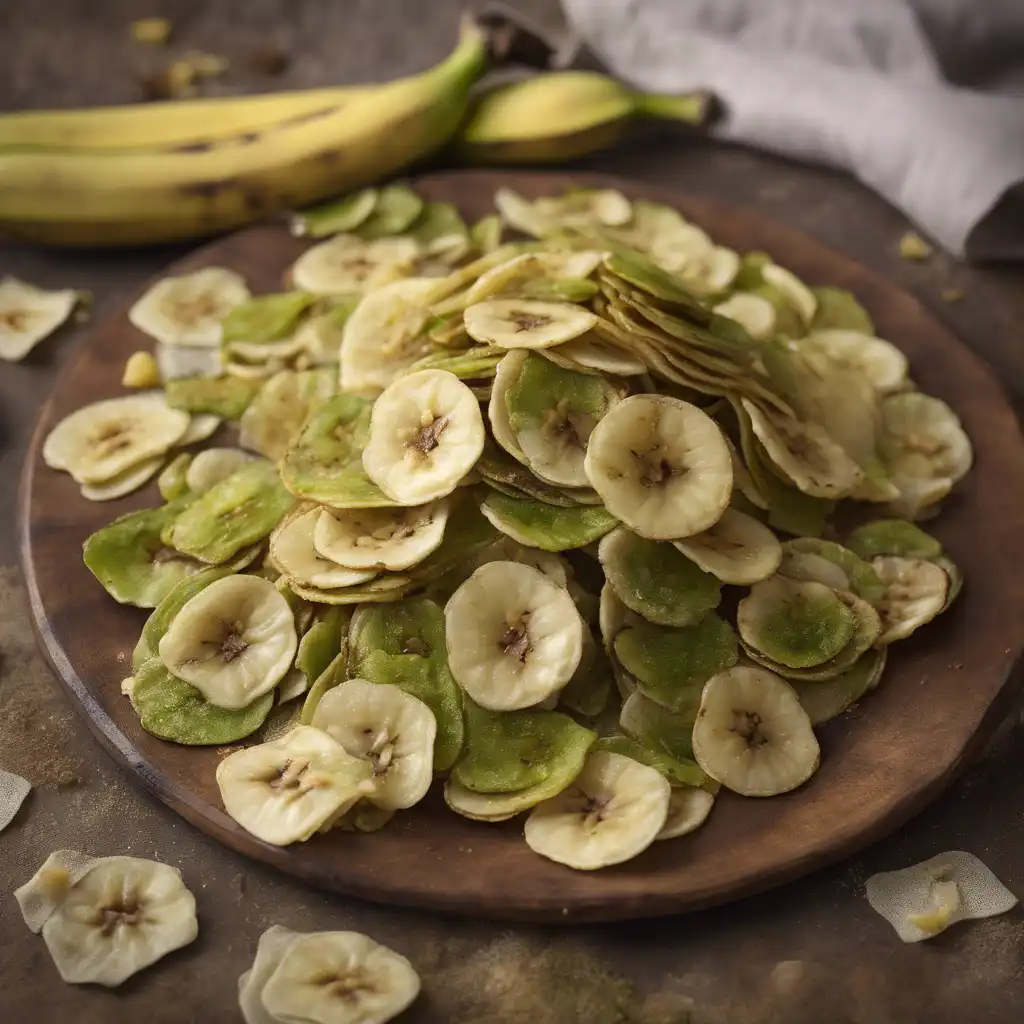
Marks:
<point>551,118</point>
<point>153,194</point>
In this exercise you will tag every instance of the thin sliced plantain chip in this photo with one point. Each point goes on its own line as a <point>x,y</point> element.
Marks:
<point>172,709</point>
<point>325,463</point>
<point>172,481</point>
<point>227,397</point>
<point>239,511</point>
<point>537,524</point>
<point>275,416</point>
<point>893,537</point>
<point>828,698</point>
<point>672,665</point>
<point>863,580</point>
<point>679,771</point>
<point>656,581</point>
<point>666,732</point>
<point>132,563</point>
<point>838,309</point>
<point>266,318</point>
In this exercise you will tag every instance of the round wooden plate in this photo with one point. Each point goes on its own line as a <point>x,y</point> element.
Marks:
<point>943,694</point>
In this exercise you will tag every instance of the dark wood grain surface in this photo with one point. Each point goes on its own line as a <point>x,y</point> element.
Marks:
<point>945,689</point>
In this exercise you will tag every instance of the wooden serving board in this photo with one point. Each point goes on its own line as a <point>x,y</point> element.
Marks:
<point>944,691</point>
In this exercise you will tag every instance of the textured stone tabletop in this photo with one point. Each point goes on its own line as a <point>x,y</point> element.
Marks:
<point>809,953</point>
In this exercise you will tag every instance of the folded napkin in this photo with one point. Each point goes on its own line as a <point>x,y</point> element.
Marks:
<point>923,100</point>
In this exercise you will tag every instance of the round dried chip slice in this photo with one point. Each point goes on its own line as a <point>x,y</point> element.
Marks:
<point>124,483</point>
<point>861,578</point>
<point>339,978</point>
<point>122,915</point>
<point>660,465</point>
<point>514,637</point>
<point>390,729</point>
<point>797,624</point>
<point>28,315</point>
<point>233,641</point>
<point>915,592</point>
<point>347,265</point>
<point>188,310</point>
<point>923,439</point>
<point>385,334</point>
<point>284,791</point>
<point>526,323</point>
<point>825,699</point>
<point>688,809</point>
<point>612,812</point>
<point>212,465</point>
<point>426,433</point>
<point>752,312</point>
<point>293,551</point>
<point>805,454</point>
<point>752,735</point>
<point>656,580</point>
<point>893,537</point>
<point>599,353</point>
<point>737,549</point>
<point>378,539</point>
<point>107,438</point>
<point>884,365</point>
<point>799,296</point>
<point>549,527</point>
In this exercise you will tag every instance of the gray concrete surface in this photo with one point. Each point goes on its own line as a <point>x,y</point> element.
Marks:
<point>810,953</point>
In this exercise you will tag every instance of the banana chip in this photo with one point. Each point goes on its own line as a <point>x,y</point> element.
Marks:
<point>28,315</point>
<point>188,310</point>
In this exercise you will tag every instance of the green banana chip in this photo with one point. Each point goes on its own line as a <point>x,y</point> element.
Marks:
<point>333,675</point>
<point>516,750</point>
<point>672,665</point>
<point>863,579</point>
<point>440,228</point>
<point>893,537</point>
<point>839,309</point>
<point>227,397</point>
<point>325,463</point>
<point>795,623</point>
<point>826,699</point>
<point>588,691</point>
<point>174,710</point>
<point>171,482</point>
<point>485,234</point>
<point>265,318</point>
<point>276,415</point>
<point>240,510</point>
<point>637,270</point>
<point>335,216</point>
<point>128,558</point>
<point>544,526</point>
<point>679,771</point>
<point>663,731</point>
<point>655,580</point>
<point>321,643</point>
<point>403,643</point>
<point>396,209</point>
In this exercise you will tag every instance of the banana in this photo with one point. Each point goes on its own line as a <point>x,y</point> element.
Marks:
<point>79,197</point>
<point>688,809</point>
<point>111,917</point>
<point>100,441</point>
<point>28,315</point>
<point>519,323</point>
<point>391,730</point>
<point>168,123</point>
<point>376,539</point>
<point>660,465</point>
<point>233,641</point>
<point>384,335</point>
<point>284,791</point>
<point>737,549</point>
<point>612,812</point>
<point>273,945</point>
<point>293,551</point>
<point>752,735</point>
<point>426,433</point>
<point>334,978</point>
<point>514,637</point>
<point>915,592</point>
<point>188,310</point>
<point>556,117</point>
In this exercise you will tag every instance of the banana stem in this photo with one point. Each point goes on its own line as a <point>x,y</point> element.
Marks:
<point>697,108</point>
